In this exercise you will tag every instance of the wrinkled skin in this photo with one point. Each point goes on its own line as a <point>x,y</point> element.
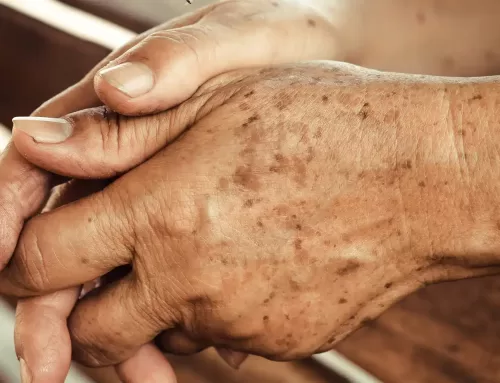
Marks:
<point>302,201</point>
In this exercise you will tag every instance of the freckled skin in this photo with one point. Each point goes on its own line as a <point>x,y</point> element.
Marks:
<point>244,236</point>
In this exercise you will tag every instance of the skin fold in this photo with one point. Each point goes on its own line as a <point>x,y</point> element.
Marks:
<point>435,37</point>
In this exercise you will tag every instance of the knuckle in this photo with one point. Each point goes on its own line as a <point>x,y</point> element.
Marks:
<point>89,350</point>
<point>28,269</point>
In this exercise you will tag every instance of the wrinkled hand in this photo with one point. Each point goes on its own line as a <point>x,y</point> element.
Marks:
<point>301,201</point>
<point>181,54</point>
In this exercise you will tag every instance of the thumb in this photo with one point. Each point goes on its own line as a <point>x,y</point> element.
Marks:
<point>169,65</point>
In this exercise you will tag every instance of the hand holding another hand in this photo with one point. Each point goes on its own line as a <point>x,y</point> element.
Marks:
<point>298,202</point>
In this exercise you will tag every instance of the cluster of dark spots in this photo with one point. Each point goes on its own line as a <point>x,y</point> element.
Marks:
<point>342,301</point>
<point>253,118</point>
<point>244,177</point>
<point>324,99</point>
<point>298,227</point>
<point>246,95</point>
<point>244,106</point>
<point>284,99</point>
<point>350,267</point>
<point>421,18</point>
<point>388,285</point>
<point>269,298</point>
<point>280,165</point>
<point>421,184</point>
<point>318,133</point>
<point>298,244</point>
<point>311,23</point>
<point>476,97</point>
<point>407,164</point>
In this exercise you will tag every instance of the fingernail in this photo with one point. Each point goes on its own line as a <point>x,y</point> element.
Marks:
<point>133,79</point>
<point>44,130</point>
<point>25,372</point>
<point>233,358</point>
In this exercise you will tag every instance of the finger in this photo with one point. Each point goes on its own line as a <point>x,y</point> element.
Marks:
<point>148,365</point>
<point>97,143</point>
<point>110,326</point>
<point>71,245</point>
<point>233,358</point>
<point>42,337</point>
<point>23,190</point>
<point>169,65</point>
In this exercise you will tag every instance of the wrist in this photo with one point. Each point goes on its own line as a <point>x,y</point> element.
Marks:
<point>457,214</point>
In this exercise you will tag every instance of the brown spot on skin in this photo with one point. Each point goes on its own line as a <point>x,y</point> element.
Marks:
<point>421,184</point>
<point>318,134</point>
<point>298,244</point>
<point>421,18</point>
<point>298,227</point>
<point>246,95</point>
<point>477,97</point>
<point>388,285</point>
<point>300,171</point>
<point>363,114</point>
<point>285,99</point>
<point>342,301</point>
<point>275,5</point>
<point>244,177</point>
<point>85,261</point>
<point>223,184</point>
<point>248,203</point>
<point>244,106</point>
<point>327,243</point>
<point>350,267</point>
<point>253,118</point>
<point>399,233</point>
<point>311,23</point>
<point>260,224</point>
<point>407,164</point>
<point>89,220</point>
<point>265,318</point>
<point>324,99</point>
<point>331,340</point>
<point>294,285</point>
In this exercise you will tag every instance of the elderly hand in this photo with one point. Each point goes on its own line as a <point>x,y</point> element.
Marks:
<point>181,54</point>
<point>302,201</point>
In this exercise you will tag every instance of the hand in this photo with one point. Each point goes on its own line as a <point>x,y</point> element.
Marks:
<point>168,50</point>
<point>301,202</point>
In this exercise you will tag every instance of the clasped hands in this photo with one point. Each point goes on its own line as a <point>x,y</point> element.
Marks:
<point>225,202</point>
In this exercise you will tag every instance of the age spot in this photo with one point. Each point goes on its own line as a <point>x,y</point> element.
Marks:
<point>311,23</point>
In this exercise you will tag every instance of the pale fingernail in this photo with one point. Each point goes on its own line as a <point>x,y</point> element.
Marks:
<point>233,358</point>
<point>133,79</point>
<point>44,130</point>
<point>25,372</point>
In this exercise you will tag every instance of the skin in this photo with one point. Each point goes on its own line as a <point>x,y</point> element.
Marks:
<point>377,188</point>
<point>412,27</point>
